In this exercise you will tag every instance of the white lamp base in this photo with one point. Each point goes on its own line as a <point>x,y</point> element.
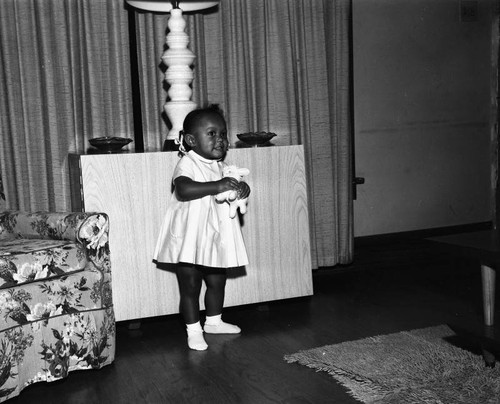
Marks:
<point>178,58</point>
<point>179,76</point>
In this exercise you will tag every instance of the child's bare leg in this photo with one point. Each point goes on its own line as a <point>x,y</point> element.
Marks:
<point>214,301</point>
<point>190,280</point>
<point>214,295</point>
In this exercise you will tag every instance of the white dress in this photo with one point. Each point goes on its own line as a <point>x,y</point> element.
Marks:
<point>200,231</point>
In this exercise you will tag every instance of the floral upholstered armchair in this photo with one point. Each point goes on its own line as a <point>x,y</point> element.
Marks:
<point>56,310</point>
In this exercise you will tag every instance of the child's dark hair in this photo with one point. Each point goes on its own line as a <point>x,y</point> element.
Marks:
<point>191,121</point>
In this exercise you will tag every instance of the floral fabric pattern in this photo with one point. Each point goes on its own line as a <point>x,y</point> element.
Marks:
<point>56,310</point>
<point>25,260</point>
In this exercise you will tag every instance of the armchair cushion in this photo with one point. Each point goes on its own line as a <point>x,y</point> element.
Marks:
<point>26,260</point>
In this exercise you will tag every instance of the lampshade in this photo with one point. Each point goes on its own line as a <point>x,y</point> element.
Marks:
<point>164,6</point>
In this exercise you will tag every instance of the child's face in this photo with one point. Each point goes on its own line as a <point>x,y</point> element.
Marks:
<point>209,139</point>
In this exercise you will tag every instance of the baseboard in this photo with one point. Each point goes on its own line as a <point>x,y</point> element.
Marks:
<point>423,233</point>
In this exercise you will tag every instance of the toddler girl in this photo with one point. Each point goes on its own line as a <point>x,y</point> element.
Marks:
<point>197,233</point>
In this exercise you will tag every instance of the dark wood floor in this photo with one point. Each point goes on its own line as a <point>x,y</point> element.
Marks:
<point>396,283</point>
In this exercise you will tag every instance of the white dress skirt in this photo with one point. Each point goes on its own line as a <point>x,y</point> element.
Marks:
<point>200,231</point>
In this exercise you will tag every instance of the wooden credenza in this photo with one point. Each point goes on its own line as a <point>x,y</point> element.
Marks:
<point>134,189</point>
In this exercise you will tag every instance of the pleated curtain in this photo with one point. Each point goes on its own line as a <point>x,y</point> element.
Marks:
<point>64,78</point>
<point>272,65</point>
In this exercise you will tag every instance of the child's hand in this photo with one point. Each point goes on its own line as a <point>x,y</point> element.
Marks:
<point>228,184</point>
<point>243,190</point>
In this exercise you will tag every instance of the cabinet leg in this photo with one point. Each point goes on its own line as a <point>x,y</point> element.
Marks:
<point>134,325</point>
<point>134,328</point>
<point>488,279</point>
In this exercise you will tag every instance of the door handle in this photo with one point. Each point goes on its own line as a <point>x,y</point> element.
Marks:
<point>355,182</point>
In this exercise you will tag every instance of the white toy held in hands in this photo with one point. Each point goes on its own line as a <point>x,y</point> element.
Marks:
<point>232,196</point>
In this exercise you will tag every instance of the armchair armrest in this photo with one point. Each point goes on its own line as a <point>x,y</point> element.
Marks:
<point>48,225</point>
<point>93,233</point>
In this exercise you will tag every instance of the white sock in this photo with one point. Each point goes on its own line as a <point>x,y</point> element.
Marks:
<point>195,337</point>
<point>215,325</point>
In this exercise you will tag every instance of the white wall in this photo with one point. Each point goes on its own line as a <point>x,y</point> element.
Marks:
<point>422,115</point>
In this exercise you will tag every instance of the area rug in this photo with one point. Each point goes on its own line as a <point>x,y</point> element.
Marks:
<point>417,366</point>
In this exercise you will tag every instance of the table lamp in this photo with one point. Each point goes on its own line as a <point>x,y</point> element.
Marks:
<point>177,57</point>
